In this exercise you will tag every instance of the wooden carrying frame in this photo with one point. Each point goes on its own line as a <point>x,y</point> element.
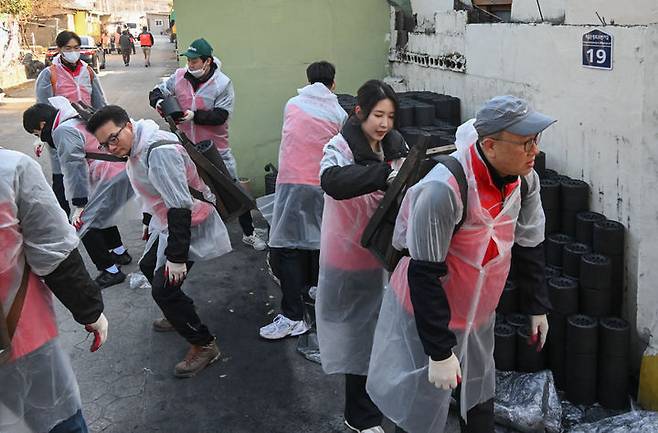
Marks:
<point>378,234</point>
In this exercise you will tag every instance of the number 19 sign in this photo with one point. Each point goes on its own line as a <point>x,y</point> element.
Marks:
<point>597,50</point>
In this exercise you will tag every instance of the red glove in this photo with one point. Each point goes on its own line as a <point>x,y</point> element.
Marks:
<point>99,328</point>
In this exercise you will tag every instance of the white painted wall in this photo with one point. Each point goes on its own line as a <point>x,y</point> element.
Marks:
<point>607,132</point>
<point>527,10</point>
<point>627,12</point>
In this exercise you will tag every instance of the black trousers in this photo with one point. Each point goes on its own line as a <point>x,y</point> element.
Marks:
<point>98,242</point>
<point>58,189</point>
<point>360,411</point>
<point>247,223</point>
<point>126,56</point>
<point>177,307</point>
<point>297,270</point>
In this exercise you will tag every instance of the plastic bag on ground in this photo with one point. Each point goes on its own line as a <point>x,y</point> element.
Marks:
<point>139,281</point>
<point>631,422</point>
<point>528,402</point>
<point>307,344</point>
<point>265,205</point>
<point>575,415</point>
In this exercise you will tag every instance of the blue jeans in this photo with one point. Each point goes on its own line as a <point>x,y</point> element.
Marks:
<point>75,424</point>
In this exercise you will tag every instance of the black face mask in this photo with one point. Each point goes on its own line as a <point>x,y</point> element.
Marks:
<point>47,133</point>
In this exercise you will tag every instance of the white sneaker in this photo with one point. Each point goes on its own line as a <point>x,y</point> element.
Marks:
<point>282,327</point>
<point>254,241</point>
<point>375,429</point>
<point>261,233</point>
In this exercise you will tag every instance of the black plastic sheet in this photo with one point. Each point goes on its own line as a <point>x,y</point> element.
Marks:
<point>527,402</point>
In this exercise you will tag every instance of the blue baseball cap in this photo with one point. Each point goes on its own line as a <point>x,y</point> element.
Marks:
<point>511,114</point>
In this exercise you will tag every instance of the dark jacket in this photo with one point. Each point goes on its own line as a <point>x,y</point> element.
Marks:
<point>368,174</point>
<point>125,41</point>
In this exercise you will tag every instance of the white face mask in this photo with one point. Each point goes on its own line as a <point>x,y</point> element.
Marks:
<point>71,56</point>
<point>198,73</point>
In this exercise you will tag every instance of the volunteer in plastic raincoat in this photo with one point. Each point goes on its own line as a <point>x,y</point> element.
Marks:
<point>435,327</point>
<point>38,255</point>
<point>357,166</point>
<point>206,96</point>
<point>97,189</point>
<point>183,229</point>
<point>310,120</point>
<point>74,79</point>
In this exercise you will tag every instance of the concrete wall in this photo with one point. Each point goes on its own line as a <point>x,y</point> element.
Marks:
<point>633,12</point>
<point>265,47</point>
<point>153,27</point>
<point>629,12</point>
<point>527,11</point>
<point>81,23</point>
<point>608,120</point>
<point>45,34</point>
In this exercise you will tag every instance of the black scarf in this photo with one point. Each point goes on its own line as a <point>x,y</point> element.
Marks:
<point>393,145</point>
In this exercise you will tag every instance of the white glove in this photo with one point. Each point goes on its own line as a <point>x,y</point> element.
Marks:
<point>76,218</point>
<point>99,328</point>
<point>175,272</point>
<point>445,374</point>
<point>158,107</point>
<point>538,331</point>
<point>391,177</point>
<point>38,147</point>
<point>189,115</point>
<point>396,164</point>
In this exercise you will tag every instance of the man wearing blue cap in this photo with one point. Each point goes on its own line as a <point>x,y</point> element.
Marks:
<point>435,331</point>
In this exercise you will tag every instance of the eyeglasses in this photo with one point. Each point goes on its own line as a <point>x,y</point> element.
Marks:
<point>527,145</point>
<point>112,140</point>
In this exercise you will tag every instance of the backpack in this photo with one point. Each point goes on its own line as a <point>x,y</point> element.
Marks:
<point>378,234</point>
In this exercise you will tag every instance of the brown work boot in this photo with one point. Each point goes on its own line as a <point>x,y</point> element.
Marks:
<point>197,358</point>
<point>163,325</point>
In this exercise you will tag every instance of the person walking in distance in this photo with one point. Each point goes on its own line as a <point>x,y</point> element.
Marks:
<point>146,41</point>
<point>126,44</point>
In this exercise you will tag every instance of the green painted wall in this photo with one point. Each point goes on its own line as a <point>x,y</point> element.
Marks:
<point>265,47</point>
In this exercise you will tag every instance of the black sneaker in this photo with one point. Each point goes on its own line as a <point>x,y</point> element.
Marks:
<point>121,259</point>
<point>107,279</point>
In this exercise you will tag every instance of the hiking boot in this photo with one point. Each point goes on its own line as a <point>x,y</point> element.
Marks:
<point>197,358</point>
<point>107,279</point>
<point>163,325</point>
<point>282,327</point>
<point>121,259</point>
<point>254,241</point>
